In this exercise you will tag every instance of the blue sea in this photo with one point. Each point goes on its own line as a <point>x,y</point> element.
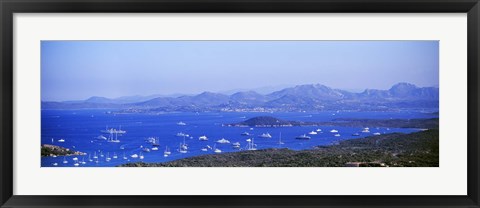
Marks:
<point>81,128</point>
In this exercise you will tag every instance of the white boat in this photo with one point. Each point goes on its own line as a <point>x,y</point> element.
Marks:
<point>75,159</point>
<point>167,151</point>
<point>154,148</point>
<point>181,123</point>
<point>303,137</point>
<point>245,134</point>
<point>355,134</point>
<point>312,133</point>
<point>366,130</point>
<point>122,147</point>
<point>265,135</point>
<point>120,131</point>
<point>125,157</point>
<point>113,139</point>
<point>376,133</point>
<point>337,135</point>
<point>181,134</point>
<point>61,140</point>
<point>95,155</point>
<point>182,149</point>
<point>146,149</point>
<point>76,164</point>
<point>55,164</point>
<point>223,141</point>
<point>64,160</point>
<point>115,155</point>
<point>216,150</point>
<point>236,145</point>
<point>113,130</point>
<point>204,149</point>
<point>250,145</point>
<point>83,161</point>
<point>280,139</point>
<point>141,156</point>
<point>54,156</point>
<point>108,158</point>
<point>134,156</point>
<point>156,142</point>
<point>203,138</point>
<point>319,130</point>
<point>101,137</point>
<point>334,131</point>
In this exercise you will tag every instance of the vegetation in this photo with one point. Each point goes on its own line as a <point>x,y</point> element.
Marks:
<point>419,149</point>
<point>268,121</point>
<point>53,150</point>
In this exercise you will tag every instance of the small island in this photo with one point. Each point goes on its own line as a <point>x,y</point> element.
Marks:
<point>48,150</point>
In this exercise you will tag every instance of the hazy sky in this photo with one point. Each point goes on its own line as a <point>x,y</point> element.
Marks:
<point>74,70</point>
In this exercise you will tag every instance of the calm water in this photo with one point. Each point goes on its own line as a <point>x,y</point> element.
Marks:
<point>80,128</point>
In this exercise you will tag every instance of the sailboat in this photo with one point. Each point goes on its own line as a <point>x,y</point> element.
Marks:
<point>167,151</point>
<point>124,157</point>
<point>251,145</point>
<point>111,139</point>
<point>115,155</point>
<point>280,139</point>
<point>216,150</point>
<point>83,161</point>
<point>181,149</point>
<point>108,158</point>
<point>90,158</point>
<point>64,160</point>
<point>156,142</point>
<point>95,155</point>
<point>141,156</point>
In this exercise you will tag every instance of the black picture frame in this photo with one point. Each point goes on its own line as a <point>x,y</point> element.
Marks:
<point>10,7</point>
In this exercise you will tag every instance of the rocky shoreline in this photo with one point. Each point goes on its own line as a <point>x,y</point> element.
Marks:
<point>48,150</point>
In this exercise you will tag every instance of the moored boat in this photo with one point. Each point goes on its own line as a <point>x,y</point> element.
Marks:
<point>223,141</point>
<point>303,137</point>
<point>265,135</point>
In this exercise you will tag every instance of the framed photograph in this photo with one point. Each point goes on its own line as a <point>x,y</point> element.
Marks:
<point>267,103</point>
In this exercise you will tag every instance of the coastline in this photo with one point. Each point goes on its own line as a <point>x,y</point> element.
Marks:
<point>419,149</point>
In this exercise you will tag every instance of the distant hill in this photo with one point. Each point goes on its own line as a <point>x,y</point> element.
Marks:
<point>310,97</point>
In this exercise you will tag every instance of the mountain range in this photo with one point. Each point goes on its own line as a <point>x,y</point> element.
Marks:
<point>310,97</point>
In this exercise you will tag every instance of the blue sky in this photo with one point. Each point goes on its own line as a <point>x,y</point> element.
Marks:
<point>75,70</point>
